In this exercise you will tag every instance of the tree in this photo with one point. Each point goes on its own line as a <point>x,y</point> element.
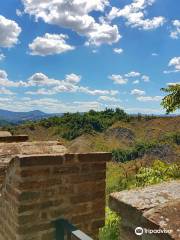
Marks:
<point>171,102</point>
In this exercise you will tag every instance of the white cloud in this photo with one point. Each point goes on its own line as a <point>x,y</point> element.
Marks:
<point>175,32</point>
<point>175,62</point>
<point>5,82</point>
<point>19,13</point>
<point>132,74</point>
<point>118,50</point>
<point>73,78</point>
<point>97,92</point>
<point>149,98</point>
<point>137,92</point>
<point>10,31</point>
<point>134,14</point>
<point>51,86</point>
<point>5,91</point>
<point>41,84</point>
<point>145,78</point>
<point>50,44</point>
<point>136,81</point>
<point>155,54</point>
<point>75,14</point>
<point>41,91</point>
<point>40,79</point>
<point>118,79</point>
<point>50,105</point>
<point>2,56</point>
<point>103,34</point>
<point>109,99</point>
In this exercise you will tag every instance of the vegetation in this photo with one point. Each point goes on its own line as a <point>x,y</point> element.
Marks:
<point>117,181</point>
<point>173,137</point>
<point>72,125</point>
<point>120,155</point>
<point>171,102</point>
<point>111,228</point>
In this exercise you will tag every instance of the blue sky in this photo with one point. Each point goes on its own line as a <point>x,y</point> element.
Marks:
<point>76,55</point>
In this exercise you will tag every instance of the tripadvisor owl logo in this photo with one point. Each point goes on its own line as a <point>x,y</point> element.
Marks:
<point>139,231</point>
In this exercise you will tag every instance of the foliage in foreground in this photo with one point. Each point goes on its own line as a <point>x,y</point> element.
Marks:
<point>159,172</point>
<point>111,228</point>
<point>171,102</point>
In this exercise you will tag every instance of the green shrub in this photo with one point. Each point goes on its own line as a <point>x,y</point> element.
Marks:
<point>112,225</point>
<point>172,137</point>
<point>159,172</point>
<point>72,125</point>
<point>137,151</point>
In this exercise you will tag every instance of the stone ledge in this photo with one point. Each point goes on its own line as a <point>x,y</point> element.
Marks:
<point>5,134</point>
<point>153,207</point>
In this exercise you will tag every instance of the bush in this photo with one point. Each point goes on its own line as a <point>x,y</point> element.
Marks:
<point>112,225</point>
<point>137,151</point>
<point>159,172</point>
<point>172,137</point>
<point>72,125</point>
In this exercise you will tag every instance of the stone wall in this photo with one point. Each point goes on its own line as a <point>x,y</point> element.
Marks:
<point>39,189</point>
<point>154,208</point>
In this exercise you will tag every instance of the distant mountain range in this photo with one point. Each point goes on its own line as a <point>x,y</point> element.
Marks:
<point>19,117</point>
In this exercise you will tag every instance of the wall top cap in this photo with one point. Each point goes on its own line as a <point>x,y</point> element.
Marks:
<point>9,150</point>
<point>148,197</point>
<point>157,204</point>
<point>5,134</point>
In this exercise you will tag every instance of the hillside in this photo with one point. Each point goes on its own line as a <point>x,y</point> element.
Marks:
<point>128,137</point>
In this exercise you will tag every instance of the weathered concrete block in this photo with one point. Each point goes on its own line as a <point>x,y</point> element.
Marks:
<point>5,134</point>
<point>154,208</point>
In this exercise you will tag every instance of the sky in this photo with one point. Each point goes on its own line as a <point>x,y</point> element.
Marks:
<point>77,55</point>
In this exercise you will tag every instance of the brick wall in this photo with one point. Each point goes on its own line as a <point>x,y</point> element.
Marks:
<point>43,188</point>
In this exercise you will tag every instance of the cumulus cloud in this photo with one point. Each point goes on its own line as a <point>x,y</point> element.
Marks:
<point>137,92</point>
<point>109,99</point>
<point>48,104</point>
<point>132,74</point>
<point>97,92</point>
<point>51,86</point>
<point>145,78</point>
<point>136,81</point>
<point>75,15</point>
<point>118,50</point>
<point>123,79</point>
<point>175,62</point>
<point>5,82</point>
<point>118,79</point>
<point>175,31</point>
<point>135,15</point>
<point>5,91</point>
<point>149,98</point>
<point>10,32</point>
<point>50,44</point>
<point>141,96</point>
<point>2,56</point>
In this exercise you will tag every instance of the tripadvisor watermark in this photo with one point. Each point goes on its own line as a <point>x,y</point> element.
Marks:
<point>140,231</point>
